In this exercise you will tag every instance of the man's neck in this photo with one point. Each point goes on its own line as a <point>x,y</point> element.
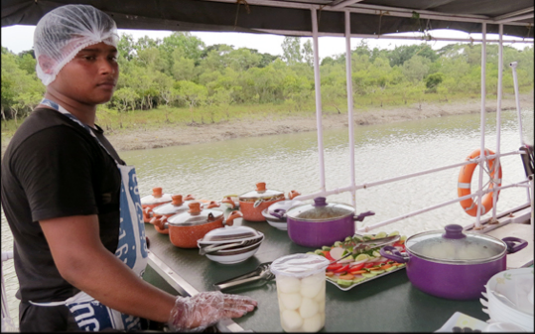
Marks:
<point>84,112</point>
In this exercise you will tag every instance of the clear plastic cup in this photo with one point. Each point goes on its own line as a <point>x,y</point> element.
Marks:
<point>300,282</point>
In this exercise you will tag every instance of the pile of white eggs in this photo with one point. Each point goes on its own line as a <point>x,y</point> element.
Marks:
<point>302,302</point>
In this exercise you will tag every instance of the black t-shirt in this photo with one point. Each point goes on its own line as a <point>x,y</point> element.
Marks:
<point>54,168</point>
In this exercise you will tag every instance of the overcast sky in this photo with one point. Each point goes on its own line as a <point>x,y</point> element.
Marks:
<point>20,38</point>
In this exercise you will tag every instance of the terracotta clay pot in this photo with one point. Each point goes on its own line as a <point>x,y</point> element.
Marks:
<point>187,227</point>
<point>151,201</point>
<point>148,203</point>
<point>176,206</point>
<point>253,203</point>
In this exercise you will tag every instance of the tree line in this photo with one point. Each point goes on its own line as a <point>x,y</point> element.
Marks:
<point>180,71</point>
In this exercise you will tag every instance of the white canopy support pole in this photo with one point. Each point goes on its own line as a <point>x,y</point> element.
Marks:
<point>317,87</point>
<point>482,126</point>
<point>494,220</point>
<point>349,85</point>
<point>517,101</point>
<point>518,111</point>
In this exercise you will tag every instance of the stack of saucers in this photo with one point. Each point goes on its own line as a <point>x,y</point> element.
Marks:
<point>508,297</point>
<point>230,244</point>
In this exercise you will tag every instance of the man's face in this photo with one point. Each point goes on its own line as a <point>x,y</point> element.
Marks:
<point>91,77</point>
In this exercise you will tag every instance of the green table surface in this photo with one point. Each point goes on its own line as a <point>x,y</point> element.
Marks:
<point>386,304</point>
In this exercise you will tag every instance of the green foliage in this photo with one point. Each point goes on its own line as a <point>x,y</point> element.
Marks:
<point>180,79</point>
<point>433,80</point>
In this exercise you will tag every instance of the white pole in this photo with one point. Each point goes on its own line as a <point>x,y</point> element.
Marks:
<point>517,100</point>
<point>518,111</point>
<point>498,123</point>
<point>483,96</point>
<point>349,85</point>
<point>317,87</point>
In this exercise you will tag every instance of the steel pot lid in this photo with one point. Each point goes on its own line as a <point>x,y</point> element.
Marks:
<point>451,245</point>
<point>230,234</point>
<point>195,216</point>
<point>320,211</point>
<point>157,197</point>
<point>261,193</point>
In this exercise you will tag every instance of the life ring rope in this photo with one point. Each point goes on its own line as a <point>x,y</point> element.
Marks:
<point>465,181</point>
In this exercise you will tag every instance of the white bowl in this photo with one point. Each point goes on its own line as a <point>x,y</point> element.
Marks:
<point>511,283</point>
<point>231,259</point>
<point>280,224</point>
<point>283,226</point>
<point>229,234</point>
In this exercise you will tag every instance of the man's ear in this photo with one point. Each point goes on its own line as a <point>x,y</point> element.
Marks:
<point>46,63</point>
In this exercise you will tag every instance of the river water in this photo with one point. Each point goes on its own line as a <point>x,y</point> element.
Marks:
<point>290,162</point>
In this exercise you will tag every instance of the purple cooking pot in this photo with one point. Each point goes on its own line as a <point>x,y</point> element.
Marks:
<point>453,265</point>
<point>321,223</point>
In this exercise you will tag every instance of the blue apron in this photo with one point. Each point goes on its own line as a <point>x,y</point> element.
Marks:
<point>89,313</point>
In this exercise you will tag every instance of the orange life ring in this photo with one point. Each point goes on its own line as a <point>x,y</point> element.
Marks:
<point>465,180</point>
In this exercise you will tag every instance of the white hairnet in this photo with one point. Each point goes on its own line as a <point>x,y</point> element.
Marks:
<point>66,30</point>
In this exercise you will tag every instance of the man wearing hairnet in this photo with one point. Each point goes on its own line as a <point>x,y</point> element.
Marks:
<point>73,205</point>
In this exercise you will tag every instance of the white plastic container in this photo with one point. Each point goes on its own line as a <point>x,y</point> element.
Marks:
<point>300,280</point>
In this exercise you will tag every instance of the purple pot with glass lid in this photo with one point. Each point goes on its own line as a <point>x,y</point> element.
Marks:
<point>454,265</point>
<point>321,223</point>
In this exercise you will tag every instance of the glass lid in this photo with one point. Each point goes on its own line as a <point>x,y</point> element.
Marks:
<point>177,205</point>
<point>157,197</point>
<point>455,246</point>
<point>320,210</point>
<point>195,216</point>
<point>261,192</point>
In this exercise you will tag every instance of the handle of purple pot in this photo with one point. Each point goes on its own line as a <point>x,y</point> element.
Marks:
<point>396,255</point>
<point>361,216</point>
<point>512,247</point>
<point>279,213</point>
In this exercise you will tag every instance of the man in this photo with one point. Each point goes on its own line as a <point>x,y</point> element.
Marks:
<point>65,194</point>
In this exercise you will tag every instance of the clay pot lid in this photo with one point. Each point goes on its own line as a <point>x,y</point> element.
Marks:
<point>195,215</point>
<point>157,196</point>
<point>260,192</point>
<point>177,205</point>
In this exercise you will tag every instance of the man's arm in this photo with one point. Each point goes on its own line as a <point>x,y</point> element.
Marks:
<point>84,262</point>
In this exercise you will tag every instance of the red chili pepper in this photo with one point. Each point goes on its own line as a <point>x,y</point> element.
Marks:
<point>334,266</point>
<point>342,270</point>
<point>369,265</point>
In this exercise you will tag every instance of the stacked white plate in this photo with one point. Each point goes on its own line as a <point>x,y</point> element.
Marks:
<point>230,244</point>
<point>508,297</point>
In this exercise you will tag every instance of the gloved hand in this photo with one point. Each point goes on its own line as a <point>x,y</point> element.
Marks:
<point>194,314</point>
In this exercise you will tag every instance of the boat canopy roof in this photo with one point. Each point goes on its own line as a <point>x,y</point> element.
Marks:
<point>292,17</point>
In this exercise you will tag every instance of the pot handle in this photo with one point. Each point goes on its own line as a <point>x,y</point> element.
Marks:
<point>511,247</point>
<point>361,216</point>
<point>293,193</point>
<point>279,213</point>
<point>147,213</point>
<point>160,221</point>
<point>230,219</point>
<point>396,255</point>
<point>212,204</point>
<point>229,201</point>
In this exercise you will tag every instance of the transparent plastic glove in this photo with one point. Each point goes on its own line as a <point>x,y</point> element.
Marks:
<point>194,314</point>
